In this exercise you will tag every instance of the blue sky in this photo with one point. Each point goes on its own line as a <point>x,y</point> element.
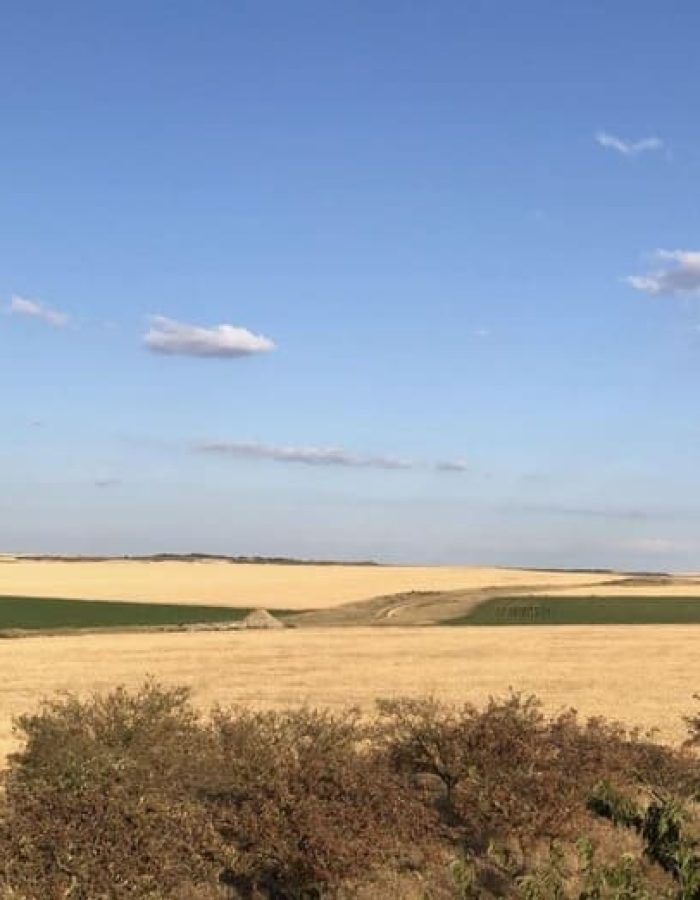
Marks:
<point>359,279</point>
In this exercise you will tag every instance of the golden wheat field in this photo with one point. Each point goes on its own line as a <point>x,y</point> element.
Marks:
<point>677,587</point>
<point>640,674</point>
<point>271,586</point>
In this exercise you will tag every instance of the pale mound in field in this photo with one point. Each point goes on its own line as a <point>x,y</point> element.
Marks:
<point>257,619</point>
<point>260,618</point>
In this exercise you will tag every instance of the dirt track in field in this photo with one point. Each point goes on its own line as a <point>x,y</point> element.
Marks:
<point>433,607</point>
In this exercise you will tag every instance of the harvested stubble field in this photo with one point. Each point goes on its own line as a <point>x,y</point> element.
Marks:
<point>642,674</point>
<point>639,674</point>
<point>251,585</point>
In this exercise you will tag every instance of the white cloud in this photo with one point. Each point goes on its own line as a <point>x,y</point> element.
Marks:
<point>679,279</point>
<point>628,148</point>
<point>481,332</point>
<point>178,338</point>
<point>451,465</point>
<point>309,456</point>
<point>20,306</point>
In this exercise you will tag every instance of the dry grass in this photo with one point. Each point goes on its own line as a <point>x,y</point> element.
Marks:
<point>271,586</point>
<point>639,674</point>
<point>677,588</point>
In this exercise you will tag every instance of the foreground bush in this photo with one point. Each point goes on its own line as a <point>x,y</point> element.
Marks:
<point>101,802</point>
<point>136,795</point>
<point>307,803</point>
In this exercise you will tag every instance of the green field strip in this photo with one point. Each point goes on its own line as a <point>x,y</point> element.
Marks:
<point>44,613</point>
<point>599,610</point>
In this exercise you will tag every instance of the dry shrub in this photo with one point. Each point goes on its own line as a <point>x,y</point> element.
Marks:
<point>309,803</point>
<point>134,795</point>
<point>100,802</point>
<point>517,780</point>
<point>692,723</point>
<point>502,772</point>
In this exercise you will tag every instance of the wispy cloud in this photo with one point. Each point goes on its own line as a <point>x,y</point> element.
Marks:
<point>20,306</point>
<point>107,482</point>
<point>451,465</point>
<point>181,339</point>
<point>659,545</point>
<point>628,148</point>
<point>308,456</point>
<point>321,456</point>
<point>679,278</point>
<point>587,512</point>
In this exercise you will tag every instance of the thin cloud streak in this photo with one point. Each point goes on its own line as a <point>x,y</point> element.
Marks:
<point>679,279</point>
<point>173,338</point>
<point>656,545</point>
<point>628,148</point>
<point>588,512</point>
<point>308,456</point>
<point>21,306</point>
<point>451,465</point>
<point>321,456</point>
